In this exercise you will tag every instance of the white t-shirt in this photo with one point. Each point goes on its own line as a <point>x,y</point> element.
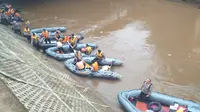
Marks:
<point>59,44</point>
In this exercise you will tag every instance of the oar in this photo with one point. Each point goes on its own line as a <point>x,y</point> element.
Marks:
<point>71,47</point>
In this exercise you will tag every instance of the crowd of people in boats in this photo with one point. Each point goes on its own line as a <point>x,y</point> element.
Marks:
<point>71,40</point>
<point>10,15</point>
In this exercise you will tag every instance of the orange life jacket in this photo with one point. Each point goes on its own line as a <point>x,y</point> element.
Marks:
<point>66,39</point>
<point>95,66</point>
<point>45,34</point>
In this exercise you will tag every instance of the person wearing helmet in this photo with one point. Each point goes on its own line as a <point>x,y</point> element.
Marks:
<point>145,90</point>
<point>99,56</point>
<point>87,50</point>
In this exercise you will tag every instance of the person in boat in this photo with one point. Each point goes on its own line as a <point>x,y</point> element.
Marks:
<point>87,50</point>
<point>73,42</point>
<point>45,34</point>
<point>78,56</point>
<point>94,67</point>
<point>35,41</point>
<point>99,56</point>
<point>59,46</point>
<point>57,34</point>
<point>145,90</point>
<point>16,27</point>
<point>28,34</point>
<point>66,39</point>
<point>80,65</point>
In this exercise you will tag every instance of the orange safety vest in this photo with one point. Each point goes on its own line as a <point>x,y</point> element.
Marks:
<point>66,39</point>
<point>95,66</point>
<point>45,34</point>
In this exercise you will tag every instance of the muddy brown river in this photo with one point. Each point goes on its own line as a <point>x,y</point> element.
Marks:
<point>156,39</point>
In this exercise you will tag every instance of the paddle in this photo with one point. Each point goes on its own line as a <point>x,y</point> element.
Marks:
<point>72,47</point>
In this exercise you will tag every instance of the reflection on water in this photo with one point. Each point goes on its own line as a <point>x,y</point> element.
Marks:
<point>156,39</point>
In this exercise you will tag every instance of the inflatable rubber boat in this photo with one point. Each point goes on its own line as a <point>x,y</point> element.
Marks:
<point>52,35</point>
<point>157,102</point>
<point>6,20</point>
<point>52,51</point>
<point>69,64</point>
<point>52,29</point>
<point>47,45</point>
<point>105,61</point>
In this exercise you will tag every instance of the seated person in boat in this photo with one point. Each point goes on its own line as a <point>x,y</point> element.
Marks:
<point>57,34</point>
<point>145,90</point>
<point>59,46</point>
<point>35,41</point>
<point>78,56</point>
<point>80,65</point>
<point>99,56</point>
<point>45,34</point>
<point>73,42</point>
<point>94,67</point>
<point>66,39</point>
<point>87,50</point>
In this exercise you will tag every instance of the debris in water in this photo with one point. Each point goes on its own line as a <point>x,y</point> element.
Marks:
<point>55,17</point>
<point>189,55</point>
<point>169,55</point>
<point>101,32</point>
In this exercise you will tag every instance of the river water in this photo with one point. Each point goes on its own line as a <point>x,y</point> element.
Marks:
<point>156,39</point>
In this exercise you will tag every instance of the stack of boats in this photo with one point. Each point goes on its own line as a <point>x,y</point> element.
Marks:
<point>68,55</point>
